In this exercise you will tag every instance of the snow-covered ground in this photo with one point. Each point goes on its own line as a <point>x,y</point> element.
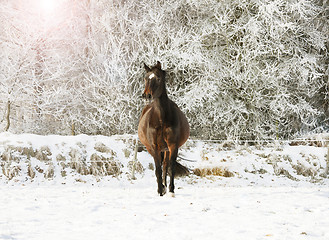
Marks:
<point>61,187</point>
<point>129,212</point>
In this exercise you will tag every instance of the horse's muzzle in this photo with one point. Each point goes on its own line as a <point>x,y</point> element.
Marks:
<point>146,96</point>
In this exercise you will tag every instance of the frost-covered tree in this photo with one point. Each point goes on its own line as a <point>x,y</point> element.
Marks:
<point>41,61</point>
<point>16,69</point>
<point>253,69</point>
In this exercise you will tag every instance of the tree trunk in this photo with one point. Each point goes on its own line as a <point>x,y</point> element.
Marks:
<point>8,116</point>
<point>73,129</point>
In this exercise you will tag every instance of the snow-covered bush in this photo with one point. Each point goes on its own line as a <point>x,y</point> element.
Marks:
<point>251,69</point>
<point>33,158</point>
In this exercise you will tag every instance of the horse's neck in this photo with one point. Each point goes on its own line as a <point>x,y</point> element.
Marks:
<point>162,104</point>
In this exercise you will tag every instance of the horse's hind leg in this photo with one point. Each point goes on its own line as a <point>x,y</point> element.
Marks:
<point>172,164</point>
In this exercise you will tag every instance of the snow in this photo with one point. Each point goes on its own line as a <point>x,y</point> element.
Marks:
<point>202,212</point>
<point>267,197</point>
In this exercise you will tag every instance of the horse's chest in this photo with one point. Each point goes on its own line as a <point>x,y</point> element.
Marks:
<point>150,131</point>
<point>151,120</point>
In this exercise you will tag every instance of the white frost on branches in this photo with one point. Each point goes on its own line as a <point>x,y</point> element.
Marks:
<point>253,69</point>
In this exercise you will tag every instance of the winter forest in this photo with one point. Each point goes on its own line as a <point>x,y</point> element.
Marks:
<point>251,69</point>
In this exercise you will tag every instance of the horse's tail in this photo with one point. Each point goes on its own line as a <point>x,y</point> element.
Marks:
<point>180,170</point>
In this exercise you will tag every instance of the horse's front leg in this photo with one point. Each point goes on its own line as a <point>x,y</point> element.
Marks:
<point>165,169</point>
<point>158,173</point>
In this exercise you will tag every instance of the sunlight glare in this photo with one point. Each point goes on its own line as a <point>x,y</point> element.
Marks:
<point>48,6</point>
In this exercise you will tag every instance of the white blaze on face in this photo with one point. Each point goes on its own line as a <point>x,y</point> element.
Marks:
<point>152,76</point>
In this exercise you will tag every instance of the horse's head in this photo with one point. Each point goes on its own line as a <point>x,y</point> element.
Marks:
<point>154,81</point>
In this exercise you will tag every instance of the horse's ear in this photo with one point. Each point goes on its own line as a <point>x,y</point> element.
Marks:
<point>147,68</point>
<point>158,65</point>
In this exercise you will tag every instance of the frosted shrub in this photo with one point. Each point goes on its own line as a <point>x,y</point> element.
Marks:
<point>239,69</point>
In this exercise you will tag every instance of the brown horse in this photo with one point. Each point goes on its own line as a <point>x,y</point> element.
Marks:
<point>162,128</point>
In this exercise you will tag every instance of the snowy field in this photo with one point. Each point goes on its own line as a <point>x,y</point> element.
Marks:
<point>197,212</point>
<point>81,187</point>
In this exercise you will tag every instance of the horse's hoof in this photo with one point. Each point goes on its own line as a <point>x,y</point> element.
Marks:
<point>171,194</point>
<point>163,192</point>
